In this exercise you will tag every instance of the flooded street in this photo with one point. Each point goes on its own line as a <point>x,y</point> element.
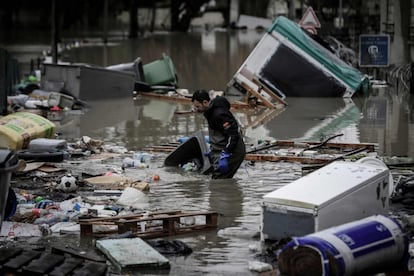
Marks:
<point>209,60</point>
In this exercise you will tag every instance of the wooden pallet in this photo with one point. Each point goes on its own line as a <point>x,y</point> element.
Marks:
<point>151,225</point>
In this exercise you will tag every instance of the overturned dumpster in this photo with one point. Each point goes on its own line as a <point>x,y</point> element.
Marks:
<point>290,63</point>
<point>87,82</point>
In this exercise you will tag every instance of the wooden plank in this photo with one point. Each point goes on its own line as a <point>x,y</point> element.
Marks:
<point>212,220</point>
<point>265,101</point>
<point>170,224</point>
<point>124,217</point>
<point>291,143</point>
<point>276,158</point>
<point>268,91</point>
<point>168,216</point>
<point>341,148</point>
<point>132,253</point>
<point>181,99</point>
<point>166,97</point>
<point>297,144</point>
<point>265,117</point>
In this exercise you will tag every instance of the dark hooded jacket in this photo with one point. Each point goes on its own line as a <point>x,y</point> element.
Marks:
<point>223,128</point>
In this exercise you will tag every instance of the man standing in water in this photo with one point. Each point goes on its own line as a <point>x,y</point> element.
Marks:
<point>226,141</point>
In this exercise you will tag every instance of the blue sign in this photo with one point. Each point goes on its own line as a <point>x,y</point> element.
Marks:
<point>374,50</point>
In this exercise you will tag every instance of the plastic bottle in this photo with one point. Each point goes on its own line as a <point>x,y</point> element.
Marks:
<point>181,140</point>
<point>189,167</point>
<point>52,218</point>
<point>143,224</point>
<point>21,199</point>
<point>39,212</point>
<point>143,157</point>
<point>130,162</point>
<point>45,203</point>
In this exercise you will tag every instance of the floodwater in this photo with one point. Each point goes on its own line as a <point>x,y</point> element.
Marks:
<point>208,60</point>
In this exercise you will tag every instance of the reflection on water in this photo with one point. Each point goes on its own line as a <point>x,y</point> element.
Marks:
<point>388,121</point>
<point>311,119</point>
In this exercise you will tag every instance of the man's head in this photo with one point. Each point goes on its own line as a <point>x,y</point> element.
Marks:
<point>201,101</point>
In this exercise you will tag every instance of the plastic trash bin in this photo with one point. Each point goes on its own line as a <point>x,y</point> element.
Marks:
<point>160,71</point>
<point>135,67</point>
<point>8,163</point>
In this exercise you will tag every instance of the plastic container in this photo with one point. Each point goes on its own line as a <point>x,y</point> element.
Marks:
<point>47,145</point>
<point>55,113</point>
<point>52,218</point>
<point>160,71</point>
<point>364,247</point>
<point>19,128</point>
<point>60,100</point>
<point>134,67</point>
<point>8,202</point>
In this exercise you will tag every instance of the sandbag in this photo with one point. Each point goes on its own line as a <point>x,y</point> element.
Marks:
<point>18,129</point>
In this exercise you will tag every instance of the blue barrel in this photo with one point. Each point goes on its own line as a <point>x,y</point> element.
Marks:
<point>371,245</point>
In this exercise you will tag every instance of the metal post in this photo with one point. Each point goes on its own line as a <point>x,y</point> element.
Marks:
<point>105,22</point>
<point>412,78</point>
<point>54,32</point>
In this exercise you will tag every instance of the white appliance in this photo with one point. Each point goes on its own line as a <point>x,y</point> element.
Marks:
<point>335,194</point>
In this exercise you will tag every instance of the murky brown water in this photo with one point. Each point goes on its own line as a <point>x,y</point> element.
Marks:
<point>208,61</point>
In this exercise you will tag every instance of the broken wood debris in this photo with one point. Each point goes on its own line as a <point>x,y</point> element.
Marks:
<point>181,99</point>
<point>294,151</point>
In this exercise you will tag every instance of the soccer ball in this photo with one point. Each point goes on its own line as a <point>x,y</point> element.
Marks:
<point>68,183</point>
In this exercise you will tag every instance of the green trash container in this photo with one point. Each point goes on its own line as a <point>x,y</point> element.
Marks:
<point>8,163</point>
<point>161,71</point>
